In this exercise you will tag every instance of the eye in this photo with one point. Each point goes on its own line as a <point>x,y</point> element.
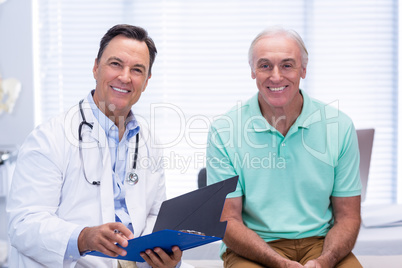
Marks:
<point>264,66</point>
<point>137,70</point>
<point>115,64</point>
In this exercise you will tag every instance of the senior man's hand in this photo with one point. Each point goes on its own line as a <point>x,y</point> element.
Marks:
<point>316,264</point>
<point>291,264</point>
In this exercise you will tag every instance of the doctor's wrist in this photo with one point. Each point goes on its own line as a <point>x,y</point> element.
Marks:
<point>83,247</point>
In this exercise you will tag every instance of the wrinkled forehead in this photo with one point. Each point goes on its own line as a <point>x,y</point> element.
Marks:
<point>127,50</point>
<point>277,44</point>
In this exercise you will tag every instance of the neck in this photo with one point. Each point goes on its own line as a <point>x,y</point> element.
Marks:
<point>117,117</point>
<point>120,122</point>
<point>282,118</point>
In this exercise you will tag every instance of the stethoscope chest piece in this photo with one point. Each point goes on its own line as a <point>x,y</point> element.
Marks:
<point>132,178</point>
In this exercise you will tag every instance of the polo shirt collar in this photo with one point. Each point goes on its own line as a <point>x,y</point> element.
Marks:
<point>259,123</point>
<point>304,120</point>
<point>309,114</point>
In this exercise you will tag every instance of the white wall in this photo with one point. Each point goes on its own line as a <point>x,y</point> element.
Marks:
<point>16,61</point>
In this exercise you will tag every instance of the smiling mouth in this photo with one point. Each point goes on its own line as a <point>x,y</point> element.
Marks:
<point>120,90</point>
<point>276,89</point>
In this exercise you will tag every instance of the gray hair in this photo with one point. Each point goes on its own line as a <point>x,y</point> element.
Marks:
<point>279,30</point>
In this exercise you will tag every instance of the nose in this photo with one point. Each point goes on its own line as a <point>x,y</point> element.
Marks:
<point>125,76</point>
<point>276,74</point>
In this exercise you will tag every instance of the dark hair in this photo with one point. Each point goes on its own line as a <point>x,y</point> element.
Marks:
<point>133,32</point>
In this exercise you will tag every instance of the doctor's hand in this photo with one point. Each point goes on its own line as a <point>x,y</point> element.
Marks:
<point>103,238</point>
<point>158,258</point>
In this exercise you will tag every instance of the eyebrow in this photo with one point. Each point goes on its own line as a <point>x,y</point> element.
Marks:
<point>263,60</point>
<point>138,65</point>
<point>289,59</point>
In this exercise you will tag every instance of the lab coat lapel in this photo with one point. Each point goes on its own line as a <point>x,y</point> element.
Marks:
<point>135,194</point>
<point>106,179</point>
<point>107,196</point>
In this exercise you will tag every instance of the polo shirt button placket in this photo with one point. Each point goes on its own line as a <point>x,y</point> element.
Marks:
<point>282,149</point>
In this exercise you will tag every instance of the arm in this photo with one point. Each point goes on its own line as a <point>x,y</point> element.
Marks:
<point>246,242</point>
<point>341,238</point>
<point>35,229</point>
<point>346,210</point>
<point>103,238</point>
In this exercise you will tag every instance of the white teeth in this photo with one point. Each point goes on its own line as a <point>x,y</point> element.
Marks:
<point>120,90</point>
<point>276,88</point>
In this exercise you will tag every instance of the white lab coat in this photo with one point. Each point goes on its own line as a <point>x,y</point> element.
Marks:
<point>50,197</point>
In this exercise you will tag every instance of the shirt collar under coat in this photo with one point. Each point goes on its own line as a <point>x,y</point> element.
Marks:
<point>131,124</point>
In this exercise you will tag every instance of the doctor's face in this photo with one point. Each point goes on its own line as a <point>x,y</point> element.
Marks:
<point>121,75</point>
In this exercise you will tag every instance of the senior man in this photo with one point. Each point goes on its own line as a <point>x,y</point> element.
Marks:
<point>297,203</point>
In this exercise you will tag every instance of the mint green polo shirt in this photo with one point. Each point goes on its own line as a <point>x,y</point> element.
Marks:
<point>286,182</point>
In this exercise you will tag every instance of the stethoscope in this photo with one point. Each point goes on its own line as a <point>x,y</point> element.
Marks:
<point>131,177</point>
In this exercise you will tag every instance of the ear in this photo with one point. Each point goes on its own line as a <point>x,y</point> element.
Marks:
<point>304,72</point>
<point>146,83</point>
<point>253,74</point>
<point>95,69</point>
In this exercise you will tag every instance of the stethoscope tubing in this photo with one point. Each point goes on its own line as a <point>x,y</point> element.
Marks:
<point>84,122</point>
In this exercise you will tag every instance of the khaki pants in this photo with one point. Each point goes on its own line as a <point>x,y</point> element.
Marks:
<point>300,250</point>
<point>126,264</point>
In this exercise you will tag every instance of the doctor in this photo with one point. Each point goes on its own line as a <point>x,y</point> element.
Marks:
<point>79,183</point>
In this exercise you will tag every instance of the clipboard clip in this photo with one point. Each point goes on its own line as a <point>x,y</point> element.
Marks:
<point>192,232</point>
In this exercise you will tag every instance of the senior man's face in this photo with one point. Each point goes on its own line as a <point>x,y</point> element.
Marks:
<point>277,69</point>
<point>121,75</point>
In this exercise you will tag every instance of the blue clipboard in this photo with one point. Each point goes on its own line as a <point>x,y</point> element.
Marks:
<point>198,211</point>
<point>164,239</point>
